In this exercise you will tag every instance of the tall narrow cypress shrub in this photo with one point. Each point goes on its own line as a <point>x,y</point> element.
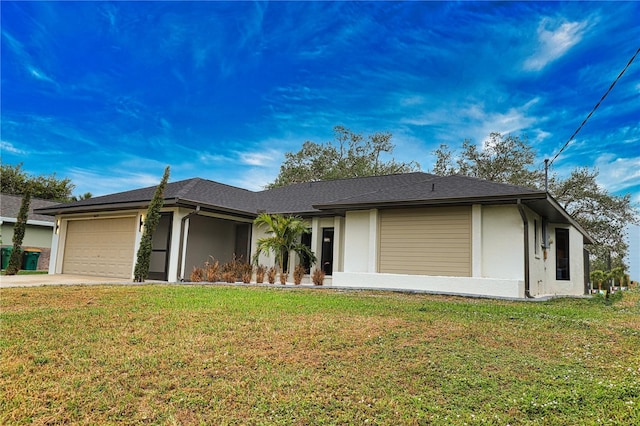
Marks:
<point>15,261</point>
<point>141,271</point>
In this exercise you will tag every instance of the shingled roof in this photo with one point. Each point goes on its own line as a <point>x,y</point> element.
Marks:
<point>10,207</point>
<point>327,197</point>
<point>308,198</point>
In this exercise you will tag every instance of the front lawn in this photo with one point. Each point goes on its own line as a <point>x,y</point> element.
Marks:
<point>170,354</point>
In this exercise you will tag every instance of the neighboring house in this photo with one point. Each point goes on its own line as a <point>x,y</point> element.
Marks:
<point>419,231</point>
<point>39,230</point>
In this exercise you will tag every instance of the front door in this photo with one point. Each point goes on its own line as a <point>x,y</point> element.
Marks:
<point>159,263</point>
<point>327,251</point>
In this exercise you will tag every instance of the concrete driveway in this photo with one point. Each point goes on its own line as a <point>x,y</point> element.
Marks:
<point>57,279</point>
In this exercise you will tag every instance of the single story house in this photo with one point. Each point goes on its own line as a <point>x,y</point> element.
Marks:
<point>452,234</point>
<point>38,232</point>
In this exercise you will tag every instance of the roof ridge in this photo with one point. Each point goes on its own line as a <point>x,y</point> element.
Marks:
<point>187,187</point>
<point>346,179</point>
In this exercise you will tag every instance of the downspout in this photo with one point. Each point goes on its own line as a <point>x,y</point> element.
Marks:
<point>182,248</point>
<point>525,222</point>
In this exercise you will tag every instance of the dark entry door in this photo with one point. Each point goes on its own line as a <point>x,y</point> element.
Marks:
<point>159,264</point>
<point>327,251</point>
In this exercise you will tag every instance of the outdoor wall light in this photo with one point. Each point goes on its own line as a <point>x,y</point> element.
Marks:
<point>141,222</point>
<point>57,226</point>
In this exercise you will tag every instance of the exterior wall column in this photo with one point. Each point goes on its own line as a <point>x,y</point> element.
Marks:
<point>373,241</point>
<point>338,244</point>
<point>476,241</point>
<point>174,249</point>
<point>55,245</point>
<point>316,239</point>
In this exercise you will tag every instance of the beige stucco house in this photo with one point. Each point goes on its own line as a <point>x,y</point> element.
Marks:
<point>418,231</point>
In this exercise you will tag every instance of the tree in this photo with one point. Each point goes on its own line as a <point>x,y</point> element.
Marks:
<point>509,159</point>
<point>15,181</point>
<point>285,232</point>
<point>141,271</point>
<point>15,261</point>
<point>84,196</point>
<point>350,155</point>
<point>603,215</point>
<point>504,159</point>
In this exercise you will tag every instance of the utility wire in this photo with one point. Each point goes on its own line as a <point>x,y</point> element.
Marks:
<point>593,110</point>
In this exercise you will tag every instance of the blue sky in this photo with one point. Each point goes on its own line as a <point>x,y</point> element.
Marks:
<point>108,93</point>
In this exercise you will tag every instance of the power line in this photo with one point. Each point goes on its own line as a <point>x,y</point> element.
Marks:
<point>549,163</point>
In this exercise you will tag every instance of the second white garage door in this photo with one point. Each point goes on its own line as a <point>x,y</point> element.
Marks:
<point>101,247</point>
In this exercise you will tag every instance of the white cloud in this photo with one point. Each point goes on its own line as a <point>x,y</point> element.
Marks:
<point>554,40</point>
<point>617,174</point>
<point>258,158</point>
<point>9,147</point>
<point>40,75</point>
<point>112,180</point>
<point>254,179</point>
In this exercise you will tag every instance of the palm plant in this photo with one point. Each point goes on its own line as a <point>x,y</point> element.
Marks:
<point>597,277</point>
<point>617,274</point>
<point>284,237</point>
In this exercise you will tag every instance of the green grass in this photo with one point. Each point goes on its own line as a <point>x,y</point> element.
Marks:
<point>159,354</point>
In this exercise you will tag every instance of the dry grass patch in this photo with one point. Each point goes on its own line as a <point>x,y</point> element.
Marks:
<point>229,355</point>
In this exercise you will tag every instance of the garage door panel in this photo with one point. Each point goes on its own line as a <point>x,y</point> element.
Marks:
<point>102,247</point>
<point>426,241</point>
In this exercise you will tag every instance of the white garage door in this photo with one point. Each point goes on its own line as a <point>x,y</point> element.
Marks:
<point>101,247</point>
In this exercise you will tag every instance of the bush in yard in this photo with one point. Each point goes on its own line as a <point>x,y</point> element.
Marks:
<point>271,275</point>
<point>261,270</point>
<point>229,277</point>
<point>197,275</point>
<point>298,274</point>
<point>283,278</point>
<point>212,270</point>
<point>318,276</point>
<point>141,271</point>
<point>15,261</point>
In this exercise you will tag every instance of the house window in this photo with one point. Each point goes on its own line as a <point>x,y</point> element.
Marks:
<point>562,254</point>
<point>536,238</point>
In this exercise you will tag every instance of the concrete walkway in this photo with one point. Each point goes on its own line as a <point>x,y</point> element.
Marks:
<point>37,280</point>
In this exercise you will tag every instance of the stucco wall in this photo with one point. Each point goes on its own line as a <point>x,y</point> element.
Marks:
<point>449,285</point>
<point>574,286</point>
<point>502,243</point>
<point>356,242</point>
